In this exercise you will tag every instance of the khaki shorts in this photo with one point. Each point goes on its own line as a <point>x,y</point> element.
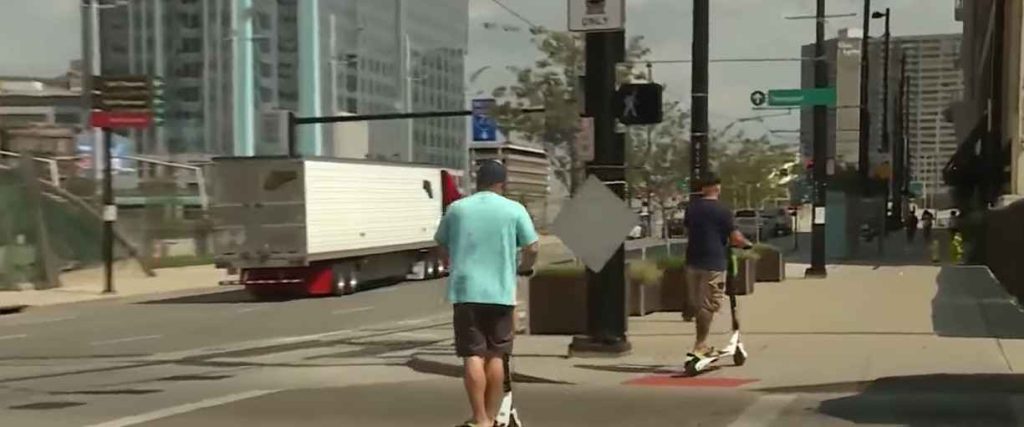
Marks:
<point>706,289</point>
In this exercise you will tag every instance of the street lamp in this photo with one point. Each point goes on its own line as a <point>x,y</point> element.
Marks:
<point>885,79</point>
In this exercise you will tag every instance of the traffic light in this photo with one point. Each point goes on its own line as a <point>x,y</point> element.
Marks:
<point>640,104</point>
<point>159,106</point>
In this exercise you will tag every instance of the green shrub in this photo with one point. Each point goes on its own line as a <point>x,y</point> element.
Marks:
<point>644,272</point>
<point>762,249</point>
<point>672,263</point>
<point>569,270</point>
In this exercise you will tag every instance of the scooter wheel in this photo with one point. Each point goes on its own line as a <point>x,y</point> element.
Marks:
<point>739,358</point>
<point>690,367</point>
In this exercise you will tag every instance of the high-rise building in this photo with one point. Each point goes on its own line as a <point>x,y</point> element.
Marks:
<point>935,82</point>
<point>376,56</point>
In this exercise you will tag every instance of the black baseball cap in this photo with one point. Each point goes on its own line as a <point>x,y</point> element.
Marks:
<point>490,173</point>
<point>710,179</point>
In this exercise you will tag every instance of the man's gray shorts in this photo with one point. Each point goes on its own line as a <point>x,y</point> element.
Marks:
<point>484,330</point>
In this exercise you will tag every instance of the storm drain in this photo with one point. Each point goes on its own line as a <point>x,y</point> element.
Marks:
<point>128,392</point>
<point>46,406</point>
<point>195,378</point>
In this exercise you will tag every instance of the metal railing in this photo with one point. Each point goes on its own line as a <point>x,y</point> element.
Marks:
<point>204,199</point>
<point>51,166</point>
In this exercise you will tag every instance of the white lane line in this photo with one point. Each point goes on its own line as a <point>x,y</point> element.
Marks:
<point>124,340</point>
<point>351,310</point>
<point>764,411</point>
<point>12,337</point>
<point>39,321</point>
<point>246,310</point>
<point>183,409</point>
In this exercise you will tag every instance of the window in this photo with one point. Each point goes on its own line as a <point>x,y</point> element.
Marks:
<point>191,45</point>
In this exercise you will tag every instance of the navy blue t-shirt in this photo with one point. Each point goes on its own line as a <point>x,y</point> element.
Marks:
<point>709,225</point>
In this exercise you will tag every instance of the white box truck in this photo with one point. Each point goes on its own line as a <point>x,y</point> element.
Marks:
<point>319,226</point>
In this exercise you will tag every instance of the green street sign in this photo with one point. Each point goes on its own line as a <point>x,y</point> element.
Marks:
<point>802,97</point>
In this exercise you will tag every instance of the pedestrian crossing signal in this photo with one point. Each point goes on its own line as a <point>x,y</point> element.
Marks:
<point>640,104</point>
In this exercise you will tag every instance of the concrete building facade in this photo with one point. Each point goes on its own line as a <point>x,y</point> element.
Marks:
<point>935,81</point>
<point>376,56</point>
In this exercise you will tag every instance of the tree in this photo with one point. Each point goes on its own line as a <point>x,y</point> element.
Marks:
<point>553,82</point>
<point>657,159</point>
<point>753,170</point>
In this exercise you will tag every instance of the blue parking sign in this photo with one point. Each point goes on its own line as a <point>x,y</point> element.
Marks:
<point>485,128</point>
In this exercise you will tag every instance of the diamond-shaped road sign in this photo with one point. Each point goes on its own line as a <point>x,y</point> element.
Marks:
<point>594,223</point>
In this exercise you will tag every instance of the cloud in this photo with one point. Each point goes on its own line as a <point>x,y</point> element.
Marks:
<point>38,37</point>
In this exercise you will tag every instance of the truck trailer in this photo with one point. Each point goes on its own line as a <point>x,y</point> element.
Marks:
<point>322,226</point>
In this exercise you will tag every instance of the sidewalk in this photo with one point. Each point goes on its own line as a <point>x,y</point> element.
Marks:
<point>129,280</point>
<point>861,324</point>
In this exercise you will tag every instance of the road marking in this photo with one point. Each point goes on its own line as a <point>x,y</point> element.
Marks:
<point>351,310</point>
<point>246,310</point>
<point>12,337</point>
<point>124,340</point>
<point>764,411</point>
<point>183,409</point>
<point>40,321</point>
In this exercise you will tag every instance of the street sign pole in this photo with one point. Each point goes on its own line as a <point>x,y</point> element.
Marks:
<point>817,268</point>
<point>109,214</point>
<point>606,297</point>
<point>699,127</point>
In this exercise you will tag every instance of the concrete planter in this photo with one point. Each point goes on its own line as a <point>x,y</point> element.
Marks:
<point>558,302</point>
<point>771,266</point>
<point>674,293</point>
<point>643,287</point>
<point>743,282</point>
<point>644,299</point>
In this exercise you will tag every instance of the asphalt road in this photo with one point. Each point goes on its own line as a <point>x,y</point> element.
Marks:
<point>215,359</point>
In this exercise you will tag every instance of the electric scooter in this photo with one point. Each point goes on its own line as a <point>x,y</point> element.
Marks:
<point>507,414</point>
<point>696,364</point>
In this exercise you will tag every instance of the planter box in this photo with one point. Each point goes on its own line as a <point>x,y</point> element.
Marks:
<point>644,299</point>
<point>558,304</point>
<point>771,267</point>
<point>674,293</point>
<point>743,282</point>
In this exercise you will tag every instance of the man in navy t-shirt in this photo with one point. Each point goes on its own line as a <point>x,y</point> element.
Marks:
<point>711,229</point>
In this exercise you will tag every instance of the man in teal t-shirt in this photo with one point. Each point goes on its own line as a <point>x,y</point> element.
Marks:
<point>483,235</point>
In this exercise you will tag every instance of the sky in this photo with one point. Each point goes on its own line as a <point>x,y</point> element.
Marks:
<point>40,37</point>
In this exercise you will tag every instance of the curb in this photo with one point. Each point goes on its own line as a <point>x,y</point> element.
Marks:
<point>12,309</point>
<point>423,365</point>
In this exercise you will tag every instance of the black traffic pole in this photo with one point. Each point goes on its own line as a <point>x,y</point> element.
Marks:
<point>109,214</point>
<point>883,230</point>
<point>817,268</point>
<point>606,296</point>
<point>699,94</point>
<point>863,151</point>
<point>899,150</point>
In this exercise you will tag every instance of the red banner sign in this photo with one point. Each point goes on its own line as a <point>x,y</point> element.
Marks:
<point>120,120</point>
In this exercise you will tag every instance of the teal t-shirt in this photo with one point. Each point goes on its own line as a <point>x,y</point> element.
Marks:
<point>483,234</point>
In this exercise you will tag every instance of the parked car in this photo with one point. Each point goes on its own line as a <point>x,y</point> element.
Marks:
<point>778,221</point>
<point>750,224</point>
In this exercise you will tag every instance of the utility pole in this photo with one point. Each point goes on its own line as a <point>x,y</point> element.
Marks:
<point>817,268</point>
<point>864,151</point>
<point>606,296</point>
<point>699,89</point>
<point>899,150</point>
<point>886,134</point>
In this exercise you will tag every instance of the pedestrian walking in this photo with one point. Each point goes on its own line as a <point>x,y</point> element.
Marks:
<point>711,229</point>
<point>911,224</point>
<point>489,239</point>
<point>927,223</point>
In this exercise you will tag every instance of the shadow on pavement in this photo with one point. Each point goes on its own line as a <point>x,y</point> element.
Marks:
<point>230,297</point>
<point>896,252</point>
<point>929,400</point>
<point>970,303</point>
<point>632,369</point>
